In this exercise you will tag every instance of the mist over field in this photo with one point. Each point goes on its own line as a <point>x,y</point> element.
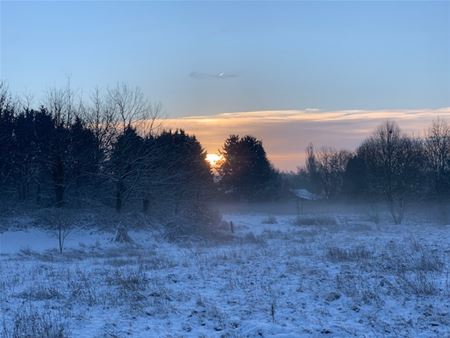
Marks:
<point>224,169</point>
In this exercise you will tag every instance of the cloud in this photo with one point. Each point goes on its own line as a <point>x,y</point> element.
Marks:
<point>286,133</point>
<point>218,76</point>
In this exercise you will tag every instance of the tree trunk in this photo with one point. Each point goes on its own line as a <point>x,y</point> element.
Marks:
<point>119,196</point>
<point>60,238</point>
<point>58,181</point>
<point>145,205</point>
<point>38,194</point>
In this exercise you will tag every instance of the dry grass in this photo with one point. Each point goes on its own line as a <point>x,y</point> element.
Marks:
<point>28,322</point>
<point>128,280</point>
<point>40,292</point>
<point>358,253</point>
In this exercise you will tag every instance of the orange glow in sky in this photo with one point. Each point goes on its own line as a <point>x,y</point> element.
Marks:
<point>286,133</point>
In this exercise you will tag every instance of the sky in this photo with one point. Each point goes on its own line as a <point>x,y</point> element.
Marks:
<point>208,59</point>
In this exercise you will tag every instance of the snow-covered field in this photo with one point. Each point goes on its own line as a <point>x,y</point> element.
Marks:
<point>331,277</point>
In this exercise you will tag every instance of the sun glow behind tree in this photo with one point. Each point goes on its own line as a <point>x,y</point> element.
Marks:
<point>213,159</point>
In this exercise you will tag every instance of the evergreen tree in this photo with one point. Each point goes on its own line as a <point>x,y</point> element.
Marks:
<point>246,173</point>
<point>85,157</point>
<point>125,165</point>
<point>6,141</point>
<point>355,183</point>
<point>185,173</point>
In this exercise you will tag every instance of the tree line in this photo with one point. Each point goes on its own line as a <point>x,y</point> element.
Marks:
<point>112,151</point>
<point>388,166</point>
<point>108,152</point>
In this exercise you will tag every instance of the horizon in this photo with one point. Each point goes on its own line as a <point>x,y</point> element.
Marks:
<point>321,128</point>
<point>286,134</point>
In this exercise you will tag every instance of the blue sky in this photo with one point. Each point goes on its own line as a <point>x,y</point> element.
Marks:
<point>273,56</point>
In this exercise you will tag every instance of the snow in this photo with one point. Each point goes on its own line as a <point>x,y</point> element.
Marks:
<point>270,280</point>
<point>40,240</point>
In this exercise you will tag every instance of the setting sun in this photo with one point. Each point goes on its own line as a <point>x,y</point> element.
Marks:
<point>213,159</point>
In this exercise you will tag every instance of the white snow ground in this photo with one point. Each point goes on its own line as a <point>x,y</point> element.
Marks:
<point>346,278</point>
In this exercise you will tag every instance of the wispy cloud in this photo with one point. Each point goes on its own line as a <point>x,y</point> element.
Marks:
<point>286,133</point>
<point>216,76</point>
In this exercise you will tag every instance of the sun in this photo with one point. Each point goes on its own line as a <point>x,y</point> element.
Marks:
<point>213,159</point>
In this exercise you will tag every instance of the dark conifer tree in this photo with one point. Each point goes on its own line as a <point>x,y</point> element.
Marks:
<point>125,165</point>
<point>355,178</point>
<point>85,157</point>
<point>184,171</point>
<point>7,111</point>
<point>246,173</point>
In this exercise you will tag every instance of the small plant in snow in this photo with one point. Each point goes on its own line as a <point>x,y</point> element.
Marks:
<point>60,223</point>
<point>273,308</point>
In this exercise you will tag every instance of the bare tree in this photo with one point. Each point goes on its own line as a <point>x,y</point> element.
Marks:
<point>311,169</point>
<point>331,165</point>
<point>130,108</point>
<point>394,164</point>
<point>99,116</point>
<point>61,224</point>
<point>60,103</point>
<point>133,118</point>
<point>437,149</point>
<point>5,97</point>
